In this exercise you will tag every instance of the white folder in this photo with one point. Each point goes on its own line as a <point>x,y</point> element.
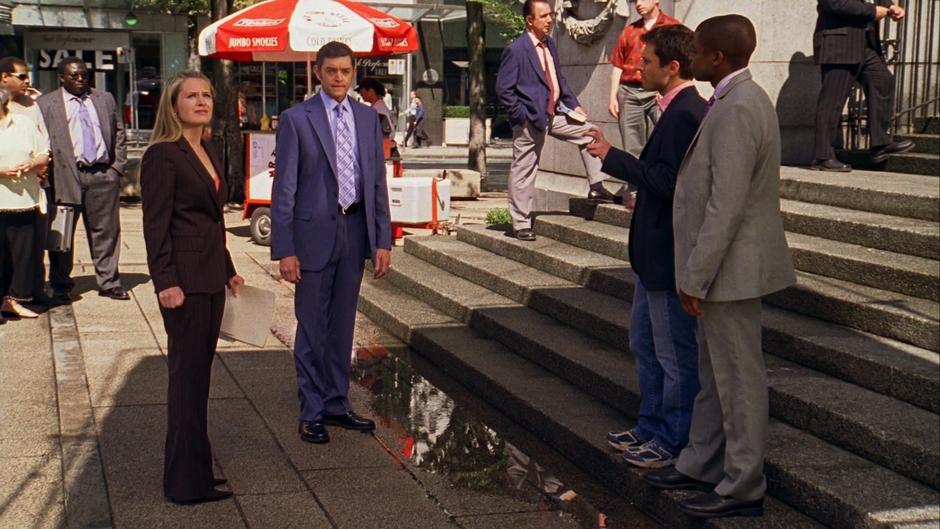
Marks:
<point>248,317</point>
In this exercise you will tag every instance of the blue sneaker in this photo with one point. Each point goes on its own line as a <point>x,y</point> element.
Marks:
<point>650,455</point>
<point>624,440</point>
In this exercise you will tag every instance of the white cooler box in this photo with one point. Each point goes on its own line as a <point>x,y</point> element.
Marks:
<point>410,199</point>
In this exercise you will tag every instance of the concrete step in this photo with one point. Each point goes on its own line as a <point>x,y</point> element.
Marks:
<point>614,214</point>
<point>902,195</point>
<point>825,406</point>
<point>884,365</point>
<point>603,316</point>
<point>832,485</point>
<point>906,274</point>
<point>888,314</point>
<point>928,125</point>
<point>923,143</point>
<point>872,230</point>
<point>914,163</point>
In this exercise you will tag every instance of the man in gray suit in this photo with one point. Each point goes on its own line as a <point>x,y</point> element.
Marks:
<point>86,137</point>
<point>730,251</point>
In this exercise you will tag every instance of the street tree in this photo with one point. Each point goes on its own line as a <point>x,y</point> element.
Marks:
<point>225,124</point>
<point>504,14</point>
<point>476,47</point>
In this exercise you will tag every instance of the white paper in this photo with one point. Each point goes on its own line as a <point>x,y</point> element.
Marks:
<point>248,317</point>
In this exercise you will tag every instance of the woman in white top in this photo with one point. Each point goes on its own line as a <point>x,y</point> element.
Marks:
<point>23,153</point>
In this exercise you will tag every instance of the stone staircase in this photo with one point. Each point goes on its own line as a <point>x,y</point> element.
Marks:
<point>540,331</point>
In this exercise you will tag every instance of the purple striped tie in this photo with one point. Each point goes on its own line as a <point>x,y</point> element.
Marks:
<point>89,147</point>
<point>345,160</point>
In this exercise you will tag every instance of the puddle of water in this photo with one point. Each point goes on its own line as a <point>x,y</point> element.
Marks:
<point>438,435</point>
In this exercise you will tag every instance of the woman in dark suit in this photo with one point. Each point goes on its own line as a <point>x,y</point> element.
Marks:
<point>184,229</point>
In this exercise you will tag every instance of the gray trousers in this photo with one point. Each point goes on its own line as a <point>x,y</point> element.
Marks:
<point>527,143</point>
<point>728,436</point>
<point>99,211</point>
<point>638,115</point>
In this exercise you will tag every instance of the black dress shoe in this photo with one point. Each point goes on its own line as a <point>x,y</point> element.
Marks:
<point>525,234</point>
<point>881,153</point>
<point>215,495</point>
<point>115,293</point>
<point>314,432</point>
<point>62,297</point>
<point>712,505</point>
<point>219,481</point>
<point>350,421</point>
<point>672,479</point>
<point>43,300</point>
<point>601,195</point>
<point>831,165</point>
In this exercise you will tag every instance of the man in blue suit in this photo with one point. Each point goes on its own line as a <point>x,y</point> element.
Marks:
<point>330,213</point>
<point>532,88</point>
<point>662,335</point>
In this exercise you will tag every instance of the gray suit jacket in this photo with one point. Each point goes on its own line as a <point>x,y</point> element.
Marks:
<point>729,235</point>
<point>64,174</point>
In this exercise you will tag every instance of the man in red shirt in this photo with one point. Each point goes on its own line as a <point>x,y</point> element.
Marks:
<point>633,107</point>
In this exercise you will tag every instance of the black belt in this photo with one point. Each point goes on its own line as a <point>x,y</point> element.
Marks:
<point>353,208</point>
<point>85,167</point>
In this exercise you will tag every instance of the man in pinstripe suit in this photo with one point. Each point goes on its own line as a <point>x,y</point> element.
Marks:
<point>847,49</point>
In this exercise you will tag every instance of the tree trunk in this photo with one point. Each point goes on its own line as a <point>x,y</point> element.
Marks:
<point>476,46</point>
<point>192,38</point>
<point>226,129</point>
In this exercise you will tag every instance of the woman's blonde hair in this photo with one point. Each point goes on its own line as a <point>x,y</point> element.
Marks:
<point>167,126</point>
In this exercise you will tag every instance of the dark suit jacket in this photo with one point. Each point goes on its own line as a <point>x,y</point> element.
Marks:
<point>183,224</point>
<point>64,172</point>
<point>522,87</point>
<point>304,197</point>
<point>652,253</point>
<point>843,29</point>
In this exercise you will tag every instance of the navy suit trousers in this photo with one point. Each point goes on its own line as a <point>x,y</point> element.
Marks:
<point>325,305</point>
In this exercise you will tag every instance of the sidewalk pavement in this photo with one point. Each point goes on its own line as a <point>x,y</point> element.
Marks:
<point>497,150</point>
<point>83,392</point>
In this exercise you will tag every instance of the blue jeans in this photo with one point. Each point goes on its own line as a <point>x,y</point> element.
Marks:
<point>662,338</point>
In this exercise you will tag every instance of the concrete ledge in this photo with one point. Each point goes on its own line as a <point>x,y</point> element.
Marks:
<point>464,183</point>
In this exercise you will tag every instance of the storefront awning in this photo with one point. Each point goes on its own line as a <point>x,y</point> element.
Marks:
<point>421,12</point>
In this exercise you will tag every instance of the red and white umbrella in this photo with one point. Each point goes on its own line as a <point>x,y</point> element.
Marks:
<point>293,30</point>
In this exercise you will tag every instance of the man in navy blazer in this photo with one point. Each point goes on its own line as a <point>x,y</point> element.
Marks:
<point>329,213</point>
<point>532,88</point>
<point>662,335</point>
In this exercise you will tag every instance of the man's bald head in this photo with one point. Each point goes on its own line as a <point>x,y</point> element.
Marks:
<point>733,35</point>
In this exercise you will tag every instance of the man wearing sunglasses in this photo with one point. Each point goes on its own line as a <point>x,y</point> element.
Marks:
<point>88,157</point>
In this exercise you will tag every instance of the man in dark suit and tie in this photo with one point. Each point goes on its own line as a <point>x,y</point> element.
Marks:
<point>531,87</point>
<point>330,213</point>
<point>662,335</point>
<point>847,49</point>
<point>86,137</point>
